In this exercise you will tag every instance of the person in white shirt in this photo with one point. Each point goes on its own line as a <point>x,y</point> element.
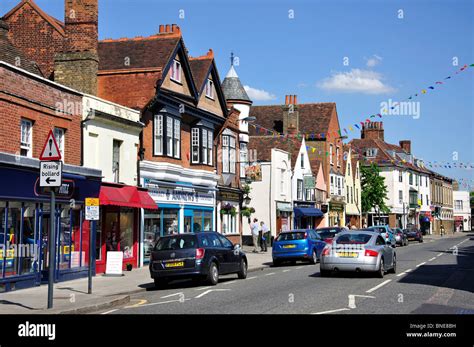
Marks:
<point>263,236</point>
<point>255,228</point>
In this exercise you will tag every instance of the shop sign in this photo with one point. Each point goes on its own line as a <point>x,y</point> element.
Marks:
<point>113,266</point>
<point>253,173</point>
<point>223,195</point>
<point>65,191</point>
<point>336,207</point>
<point>179,195</point>
<point>309,182</point>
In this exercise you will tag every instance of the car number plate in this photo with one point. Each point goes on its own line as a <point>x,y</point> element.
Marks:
<point>411,238</point>
<point>175,264</point>
<point>289,246</point>
<point>347,254</point>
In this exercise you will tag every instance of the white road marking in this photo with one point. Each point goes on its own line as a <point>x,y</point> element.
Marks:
<point>421,264</point>
<point>378,286</point>
<point>432,259</point>
<point>204,288</point>
<point>440,254</point>
<point>299,267</point>
<point>208,291</point>
<point>338,310</point>
<point>163,302</point>
<point>230,282</point>
<point>251,278</point>
<point>110,311</point>
<point>270,274</point>
<point>401,274</point>
<point>287,270</point>
<point>352,299</point>
<point>169,296</point>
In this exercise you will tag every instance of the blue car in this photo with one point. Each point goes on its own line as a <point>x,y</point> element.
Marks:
<point>293,245</point>
<point>386,232</point>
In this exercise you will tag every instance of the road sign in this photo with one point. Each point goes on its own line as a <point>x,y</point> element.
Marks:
<point>92,209</point>
<point>50,149</point>
<point>50,173</point>
<point>92,201</point>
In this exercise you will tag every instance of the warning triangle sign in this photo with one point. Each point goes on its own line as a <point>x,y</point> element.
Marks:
<point>50,149</point>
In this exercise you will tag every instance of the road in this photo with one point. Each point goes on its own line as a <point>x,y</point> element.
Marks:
<point>436,276</point>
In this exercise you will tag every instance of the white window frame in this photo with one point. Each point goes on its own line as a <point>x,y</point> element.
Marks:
<point>282,182</point>
<point>229,153</point>
<point>400,176</point>
<point>330,155</point>
<point>60,140</point>
<point>177,138</point>
<point>243,158</point>
<point>26,143</point>
<point>176,71</point>
<point>195,148</point>
<point>210,89</point>
<point>337,157</point>
<point>158,134</point>
<point>299,189</point>
<point>400,196</point>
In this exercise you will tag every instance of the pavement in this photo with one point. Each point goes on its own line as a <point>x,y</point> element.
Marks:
<point>433,277</point>
<point>71,297</point>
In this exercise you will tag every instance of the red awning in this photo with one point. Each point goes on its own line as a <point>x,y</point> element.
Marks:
<point>126,196</point>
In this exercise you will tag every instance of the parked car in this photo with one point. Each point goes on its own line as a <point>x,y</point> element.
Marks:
<point>295,245</point>
<point>359,251</point>
<point>328,234</point>
<point>204,255</point>
<point>414,235</point>
<point>400,237</point>
<point>386,232</point>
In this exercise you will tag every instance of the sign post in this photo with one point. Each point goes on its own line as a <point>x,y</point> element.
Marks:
<point>92,215</point>
<point>51,177</point>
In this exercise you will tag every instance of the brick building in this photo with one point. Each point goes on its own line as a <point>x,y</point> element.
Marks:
<point>31,107</point>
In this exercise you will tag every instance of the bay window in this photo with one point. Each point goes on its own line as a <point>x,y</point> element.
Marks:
<point>243,158</point>
<point>169,128</point>
<point>201,146</point>
<point>228,154</point>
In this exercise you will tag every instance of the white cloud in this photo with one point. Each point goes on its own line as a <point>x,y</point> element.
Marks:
<point>374,60</point>
<point>356,81</point>
<point>259,94</point>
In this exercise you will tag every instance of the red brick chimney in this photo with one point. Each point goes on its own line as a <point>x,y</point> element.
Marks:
<point>290,115</point>
<point>78,64</point>
<point>406,145</point>
<point>372,131</point>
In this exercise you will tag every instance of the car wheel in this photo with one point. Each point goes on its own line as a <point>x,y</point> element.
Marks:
<point>276,262</point>
<point>243,270</point>
<point>393,270</point>
<point>421,240</point>
<point>325,273</point>
<point>381,271</point>
<point>314,257</point>
<point>160,282</point>
<point>213,275</point>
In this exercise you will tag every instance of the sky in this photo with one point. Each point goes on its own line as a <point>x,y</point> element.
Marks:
<point>359,54</point>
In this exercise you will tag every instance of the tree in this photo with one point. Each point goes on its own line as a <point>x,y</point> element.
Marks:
<point>374,190</point>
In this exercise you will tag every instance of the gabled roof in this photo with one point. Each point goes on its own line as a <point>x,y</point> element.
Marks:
<point>232,87</point>
<point>10,54</point>
<point>264,145</point>
<point>55,23</point>
<point>143,52</point>
<point>313,117</point>
<point>200,68</point>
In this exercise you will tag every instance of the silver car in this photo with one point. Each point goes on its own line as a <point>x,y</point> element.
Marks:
<point>359,251</point>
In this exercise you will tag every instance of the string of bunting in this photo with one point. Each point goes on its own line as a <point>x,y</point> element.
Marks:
<point>360,124</point>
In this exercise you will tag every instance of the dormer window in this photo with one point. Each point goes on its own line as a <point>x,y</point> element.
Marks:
<point>210,88</point>
<point>371,152</point>
<point>176,71</point>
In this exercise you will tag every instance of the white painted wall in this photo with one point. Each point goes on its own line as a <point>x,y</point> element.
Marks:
<point>353,207</point>
<point>261,200</point>
<point>300,172</point>
<point>465,212</point>
<point>99,135</point>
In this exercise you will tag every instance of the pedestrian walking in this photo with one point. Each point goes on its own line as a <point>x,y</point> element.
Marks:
<point>264,235</point>
<point>255,228</point>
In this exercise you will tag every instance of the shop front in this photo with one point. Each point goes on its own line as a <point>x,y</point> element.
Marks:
<point>306,216</point>
<point>118,229</point>
<point>182,208</point>
<point>25,217</point>
<point>425,222</point>
<point>228,213</point>
<point>336,214</point>
<point>284,212</point>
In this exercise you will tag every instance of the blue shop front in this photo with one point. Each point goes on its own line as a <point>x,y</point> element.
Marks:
<point>25,217</point>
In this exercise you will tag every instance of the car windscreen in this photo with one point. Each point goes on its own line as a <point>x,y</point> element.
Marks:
<point>328,234</point>
<point>378,229</point>
<point>171,243</point>
<point>353,238</point>
<point>291,236</point>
